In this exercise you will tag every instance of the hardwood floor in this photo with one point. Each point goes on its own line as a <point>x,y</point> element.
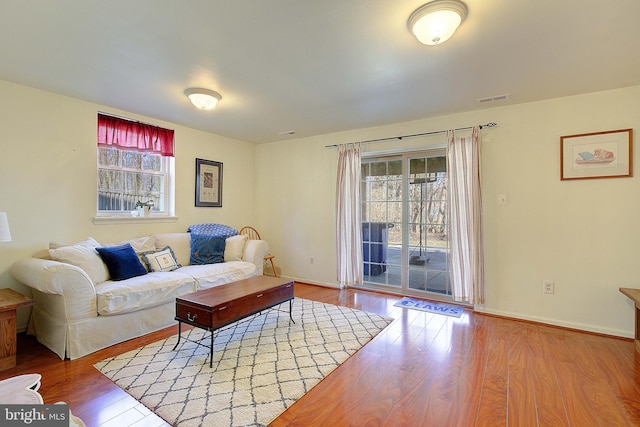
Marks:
<point>422,370</point>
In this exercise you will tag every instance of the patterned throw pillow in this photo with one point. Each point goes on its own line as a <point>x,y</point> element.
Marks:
<point>206,249</point>
<point>214,230</point>
<point>162,260</point>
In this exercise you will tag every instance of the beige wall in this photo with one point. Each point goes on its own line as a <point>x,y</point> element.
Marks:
<point>584,235</point>
<point>48,176</point>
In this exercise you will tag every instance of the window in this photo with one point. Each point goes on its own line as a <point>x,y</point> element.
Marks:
<point>135,163</point>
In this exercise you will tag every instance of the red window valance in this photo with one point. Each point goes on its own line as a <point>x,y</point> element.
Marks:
<point>132,135</point>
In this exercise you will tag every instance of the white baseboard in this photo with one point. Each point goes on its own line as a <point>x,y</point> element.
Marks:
<point>313,282</point>
<point>555,322</point>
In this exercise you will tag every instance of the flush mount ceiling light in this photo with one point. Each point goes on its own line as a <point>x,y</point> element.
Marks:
<point>435,22</point>
<point>203,99</point>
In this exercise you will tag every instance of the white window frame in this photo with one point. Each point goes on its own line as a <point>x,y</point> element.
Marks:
<point>167,210</point>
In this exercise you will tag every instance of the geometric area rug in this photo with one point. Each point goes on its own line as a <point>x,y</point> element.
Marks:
<point>261,365</point>
<point>431,306</point>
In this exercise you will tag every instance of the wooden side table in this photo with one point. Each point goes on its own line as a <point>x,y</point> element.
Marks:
<point>10,302</point>
<point>634,294</point>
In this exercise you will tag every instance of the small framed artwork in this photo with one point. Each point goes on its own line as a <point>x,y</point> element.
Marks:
<point>606,154</point>
<point>208,183</point>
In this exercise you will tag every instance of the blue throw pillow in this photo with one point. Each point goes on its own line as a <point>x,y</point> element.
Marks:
<point>206,249</point>
<point>122,262</point>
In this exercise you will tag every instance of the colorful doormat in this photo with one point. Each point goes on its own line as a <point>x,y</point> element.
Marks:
<point>431,306</point>
<point>261,365</point>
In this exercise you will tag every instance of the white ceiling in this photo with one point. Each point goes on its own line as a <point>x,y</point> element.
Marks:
<point>313,66</point>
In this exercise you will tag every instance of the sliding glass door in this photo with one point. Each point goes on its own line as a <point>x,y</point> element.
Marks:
<point>404,224</point>
<point>382,191</point>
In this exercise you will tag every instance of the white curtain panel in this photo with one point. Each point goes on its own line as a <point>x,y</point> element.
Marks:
<point>465,218</point>
<point>348,216</point>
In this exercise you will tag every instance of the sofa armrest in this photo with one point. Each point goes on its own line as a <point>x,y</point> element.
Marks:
<point>76,294</point>
<point>255,251</point>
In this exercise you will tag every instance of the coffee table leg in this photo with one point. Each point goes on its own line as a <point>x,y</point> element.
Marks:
<point>211,352</point>
<point>179,335</point>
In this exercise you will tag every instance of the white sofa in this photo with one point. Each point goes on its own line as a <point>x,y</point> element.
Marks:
<point>79,310</point>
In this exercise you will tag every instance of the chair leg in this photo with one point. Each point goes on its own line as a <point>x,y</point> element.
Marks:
<point>273,267</point>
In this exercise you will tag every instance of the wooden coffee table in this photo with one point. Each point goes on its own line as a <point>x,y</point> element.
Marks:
<point>214,308</point>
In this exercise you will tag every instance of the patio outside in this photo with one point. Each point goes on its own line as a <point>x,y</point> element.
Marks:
<point>433,276</point>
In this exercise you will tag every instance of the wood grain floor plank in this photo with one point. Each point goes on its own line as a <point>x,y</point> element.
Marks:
<point>594,381</point>
<point>521,403</point>
<point>492,408</point>
<point>549,401</point>
<point>464,407</point>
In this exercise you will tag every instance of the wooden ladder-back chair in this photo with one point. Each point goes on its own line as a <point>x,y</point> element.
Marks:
<point>253,234</point>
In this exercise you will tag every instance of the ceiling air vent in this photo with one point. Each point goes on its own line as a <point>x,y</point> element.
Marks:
<point>494,98</point>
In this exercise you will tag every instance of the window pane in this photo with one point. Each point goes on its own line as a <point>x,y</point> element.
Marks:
<point>395,212</point>
<point>394,190</point>
<point>378,212</point>
<point>378,190</point>
<point>394,233</point>
<point>108,157</point>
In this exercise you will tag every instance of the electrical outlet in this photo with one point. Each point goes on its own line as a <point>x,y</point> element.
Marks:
<point>311,260</point>
<point>548,287</point>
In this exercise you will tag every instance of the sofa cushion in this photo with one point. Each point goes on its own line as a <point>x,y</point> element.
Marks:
<point>206,249</point>
<point>180,244</point>
<point>234,248</point>
<point>122,262</point>
<point>84,256</point>
<point>210,275</point>
<point>137,293</point>
<point>162,260</point>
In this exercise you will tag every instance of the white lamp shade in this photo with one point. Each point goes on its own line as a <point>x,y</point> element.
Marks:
<point>435,22</point>
<point>5,233</point>
<point>203,99</point>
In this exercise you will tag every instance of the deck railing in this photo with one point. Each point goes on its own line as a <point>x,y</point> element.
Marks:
<point>112,201</point>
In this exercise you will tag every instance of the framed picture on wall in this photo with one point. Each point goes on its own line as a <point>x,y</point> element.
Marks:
<point>208,183</point>
<point>606,154</point>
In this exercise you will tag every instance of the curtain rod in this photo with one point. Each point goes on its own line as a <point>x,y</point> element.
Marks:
<point>372,141</point>
<point>131,120</point>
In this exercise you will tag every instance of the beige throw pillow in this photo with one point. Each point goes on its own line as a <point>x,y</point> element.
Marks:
<point>83,255</point>
<point>234,248</point>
